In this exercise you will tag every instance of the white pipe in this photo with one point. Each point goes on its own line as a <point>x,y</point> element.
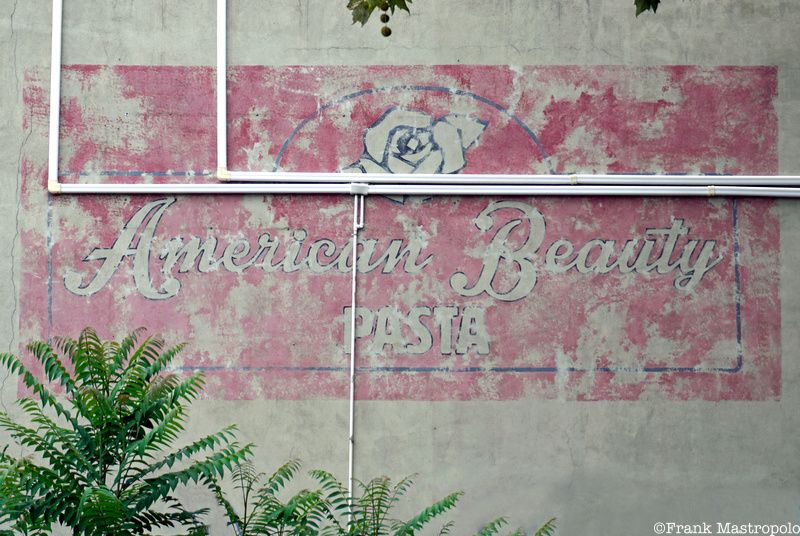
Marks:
<point>393,184</point>
<point>210,188</point>
<point>432,189</point>
<point>512,179</point>
<point>582,190</point>
<point>222,91</point>
<point>55,98</point>
<point>358,223</point>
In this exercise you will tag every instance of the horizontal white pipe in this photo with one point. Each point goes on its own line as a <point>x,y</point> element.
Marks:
<point>210,188</point>
<point>499,190</point>
<point>505,179</point>
<point>430,190</point>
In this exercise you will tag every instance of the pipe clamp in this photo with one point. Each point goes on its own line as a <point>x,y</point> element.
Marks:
<point>358,188</point>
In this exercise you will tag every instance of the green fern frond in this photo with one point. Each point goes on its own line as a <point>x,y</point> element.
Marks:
<point>493,527</point>
<point>50,447</point>
<point>123,350</point>
<point>428,514</point>
<point>15,366</point>
<point>163,360</point>
<point>219,439</point>
<point>53,367</point>
<point>548,529</point>
<point>245,478</point>
<point>445,530</point>
<point>68,442</point>
<point>376,501</point>
<point>219,495</point>
<point>279,478</point>
<point>214,466</point>
<point>100,507</point>
<point>403,486</point>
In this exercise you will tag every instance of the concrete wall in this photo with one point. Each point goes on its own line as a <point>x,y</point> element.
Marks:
<point>607,452</point>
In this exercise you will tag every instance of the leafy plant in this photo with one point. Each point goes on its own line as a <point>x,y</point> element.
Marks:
<point>363,9</point>
<point>548,529</point>
<point>330,511</point>
<point>105,461</point>
<point>262,510</point>
<point>367,514</point>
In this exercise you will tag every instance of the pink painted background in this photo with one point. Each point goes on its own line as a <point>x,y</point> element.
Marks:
<point>280,335</point>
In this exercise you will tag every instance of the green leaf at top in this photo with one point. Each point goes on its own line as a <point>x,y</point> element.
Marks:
<point>361,12</point>
<point>644,5</point>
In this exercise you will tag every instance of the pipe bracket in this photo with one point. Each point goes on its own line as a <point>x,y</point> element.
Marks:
<point>358,188</point>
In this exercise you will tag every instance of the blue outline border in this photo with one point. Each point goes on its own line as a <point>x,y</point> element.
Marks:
<point>545,158</point>
<point>728,370</point>
<point>437,89</point>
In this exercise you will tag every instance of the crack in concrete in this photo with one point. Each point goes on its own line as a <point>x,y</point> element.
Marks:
<point>12,254</point>
<point>14,40</point>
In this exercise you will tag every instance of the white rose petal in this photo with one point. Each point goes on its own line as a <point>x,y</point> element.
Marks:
<point>376,137</point>
<point>370,166</point>
<point>449,141</point>
<point>395,165</point>
<point>432,164</point>
<point>352,168</point>
<point>469,128</point>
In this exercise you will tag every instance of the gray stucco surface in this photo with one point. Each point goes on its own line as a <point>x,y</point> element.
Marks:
<point>611,467</point>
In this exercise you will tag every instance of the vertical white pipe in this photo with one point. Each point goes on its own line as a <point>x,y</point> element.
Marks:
<point>222,91</point>
<point>55,98</point>
<point>358,223</point>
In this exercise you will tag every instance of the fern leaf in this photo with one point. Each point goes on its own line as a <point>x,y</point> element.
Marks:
<point>209,442</point>
<point>47,398</point>
<point>333,491</point>
<point>123,350</point>
<point>548,529</point>
<point>212,467</point>
<point>445,530</point>
<point>233,517</point>
<point>54,368</point>
<point>99,507</point>
<point>279,478</point>
<point>47,445</point>
<point>426,515</point>
<point>492,527</point>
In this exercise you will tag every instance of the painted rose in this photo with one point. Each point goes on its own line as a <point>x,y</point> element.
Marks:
<point>411,141</point>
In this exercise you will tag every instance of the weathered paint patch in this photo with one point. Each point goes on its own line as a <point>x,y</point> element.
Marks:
<point>459,298</point>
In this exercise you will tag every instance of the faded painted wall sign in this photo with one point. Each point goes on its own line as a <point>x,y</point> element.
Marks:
<point>459,298</point>
<point>642,256</point>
